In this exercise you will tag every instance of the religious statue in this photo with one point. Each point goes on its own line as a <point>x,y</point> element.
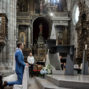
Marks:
<point>23,37</point>
<point>41,51</point>
<point>40,37</point>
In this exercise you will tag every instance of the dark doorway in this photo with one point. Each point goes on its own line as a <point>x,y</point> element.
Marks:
<point>36,30</point>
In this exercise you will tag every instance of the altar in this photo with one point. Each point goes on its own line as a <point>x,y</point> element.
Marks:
<point>40,49</point>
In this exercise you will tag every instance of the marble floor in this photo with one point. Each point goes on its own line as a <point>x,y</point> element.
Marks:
<point>77,78</point>
<point>32,84</point>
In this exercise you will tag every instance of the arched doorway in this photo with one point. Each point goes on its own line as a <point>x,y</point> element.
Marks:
<point>45,29</point>
<point>41,32</point>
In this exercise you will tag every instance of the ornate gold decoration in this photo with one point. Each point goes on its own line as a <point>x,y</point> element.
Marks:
<point>23,37</point>
<point>82,28</point>
<point>3,22</point>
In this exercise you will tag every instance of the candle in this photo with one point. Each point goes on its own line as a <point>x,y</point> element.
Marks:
<point>85,46</point>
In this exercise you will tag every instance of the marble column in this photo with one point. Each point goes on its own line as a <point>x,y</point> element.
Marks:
<point>11,31</point>
<point>7,53</point>
<point>29,37</point>
<point>53,32</point>
<point>1,6</point>
<point>17,29</point>
<point>69,2</point>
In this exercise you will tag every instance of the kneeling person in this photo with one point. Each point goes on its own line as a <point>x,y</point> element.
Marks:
<point>20,64</point>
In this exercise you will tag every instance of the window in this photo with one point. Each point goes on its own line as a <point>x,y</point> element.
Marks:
<point>76,13</point>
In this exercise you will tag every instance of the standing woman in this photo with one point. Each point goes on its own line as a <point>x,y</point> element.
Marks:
<point>31,61</point>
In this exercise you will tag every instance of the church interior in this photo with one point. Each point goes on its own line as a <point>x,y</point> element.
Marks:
<point>57,34</point>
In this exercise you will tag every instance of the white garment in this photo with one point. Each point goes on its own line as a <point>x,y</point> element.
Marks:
<point>30,60</point>
<point>25,82</point>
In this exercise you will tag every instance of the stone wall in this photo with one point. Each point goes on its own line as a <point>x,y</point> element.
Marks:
<point>12,30</point>
<point>7,53</point>
<point>73,32</point>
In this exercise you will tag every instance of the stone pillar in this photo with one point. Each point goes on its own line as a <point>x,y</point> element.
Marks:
<point>85,63</point>
<point>69,5</point>
<point>29,37</point>
<point>1,6</point>
<point>1,56</point>
<point>31,6</point>
<point>31,30</point>
<point>65,38</point>
<point>11,31</point>
<point>17,29</point>
<point>7,53</point>
<point>53,32</point>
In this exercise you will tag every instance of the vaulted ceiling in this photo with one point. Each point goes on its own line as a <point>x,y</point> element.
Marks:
<point>29,5</point>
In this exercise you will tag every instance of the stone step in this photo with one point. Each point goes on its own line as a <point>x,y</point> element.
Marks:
<point>33,84</point>
<point>45,84</point>
<point>75,82</point>
<point>58,72</point>
<point>8,87</point>
<point>4,74</point>
<point>6,71</point>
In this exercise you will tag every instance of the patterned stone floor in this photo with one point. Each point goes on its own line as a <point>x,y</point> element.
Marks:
<point>32,84</point>
<point>77,78</point>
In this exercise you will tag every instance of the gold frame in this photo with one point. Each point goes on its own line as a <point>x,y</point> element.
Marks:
<point>24,36</point>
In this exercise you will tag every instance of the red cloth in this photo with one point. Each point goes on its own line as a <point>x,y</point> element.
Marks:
<point>36,70</point>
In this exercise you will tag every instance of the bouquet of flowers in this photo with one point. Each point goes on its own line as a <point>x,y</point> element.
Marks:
<point>46,70</point>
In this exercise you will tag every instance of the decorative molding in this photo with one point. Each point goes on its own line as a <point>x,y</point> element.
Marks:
<point>82,28</point>
<point>3,28</point>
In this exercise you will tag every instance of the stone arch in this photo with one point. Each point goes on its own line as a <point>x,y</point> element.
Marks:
<point>46,27</point>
